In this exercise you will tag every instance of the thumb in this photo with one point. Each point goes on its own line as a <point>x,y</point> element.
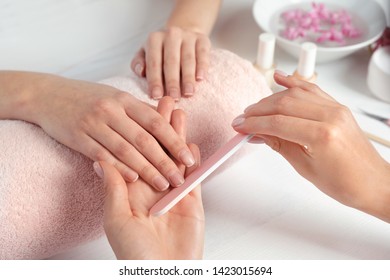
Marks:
<point>116,201</point>
<point>138,63</point>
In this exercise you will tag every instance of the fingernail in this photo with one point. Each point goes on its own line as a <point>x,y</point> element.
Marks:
<point>160,183</point>
<point>238,121</point>
<point>187,158</point>
<point>280,73</point>
<point>188,89</point>
<point>174,93</point>
<point>256,140</point>
<point>249,107</point>
<point>131,176</point>
<point>200,75</point>
<point>177,178</point>
<point>157,93</point>
<point>98,169</point>
<point>138,69</point>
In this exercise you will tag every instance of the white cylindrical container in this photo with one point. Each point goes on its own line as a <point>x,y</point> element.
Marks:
<point>378,75</point>
<point>307,60</point>
<point>265,57</point>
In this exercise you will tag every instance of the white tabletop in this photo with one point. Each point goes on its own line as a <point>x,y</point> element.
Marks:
<point>259,208</point>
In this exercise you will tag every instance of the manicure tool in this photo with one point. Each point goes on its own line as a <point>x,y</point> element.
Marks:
<point>201,173</point>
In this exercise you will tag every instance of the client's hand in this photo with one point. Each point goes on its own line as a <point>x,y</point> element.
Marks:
<point>108,125</point>
<point>173,59</point>
<point>132,233</point>
<point>321,139</point>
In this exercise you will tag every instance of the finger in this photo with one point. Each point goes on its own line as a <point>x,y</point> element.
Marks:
<point>116,202</point>
<point>196,192</point>
<point>178,123</point>
<point>153,58</point>
<point>291,81</point>
<point>97,152</point>
<point>165,107</point>
<point>141,152</point>
<point>155,124</point>
<point>297,155</point>
<point>300,131</point>
<point>203,47</point>
<point>188,67</point>
<point>290,104</point>
<point>138,63</point>
<point>172,46</point>
<point>196,152</point>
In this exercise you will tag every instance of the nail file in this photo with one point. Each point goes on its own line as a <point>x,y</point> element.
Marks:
<point>201,173</point>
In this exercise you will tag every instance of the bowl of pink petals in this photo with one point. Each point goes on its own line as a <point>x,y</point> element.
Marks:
<point>338,28</point>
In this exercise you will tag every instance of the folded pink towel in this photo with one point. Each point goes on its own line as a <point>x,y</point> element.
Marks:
<point>50,198</point>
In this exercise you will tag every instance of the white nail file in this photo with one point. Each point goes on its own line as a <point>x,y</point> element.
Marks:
<point>201,173</point>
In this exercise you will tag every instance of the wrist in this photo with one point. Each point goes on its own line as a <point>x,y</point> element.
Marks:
<point>376,200</point>
<point>186,27</point>
<point>23,94</point>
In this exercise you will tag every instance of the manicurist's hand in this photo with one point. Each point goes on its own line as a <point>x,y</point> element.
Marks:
<point>132,233</point>
<point>102,123</point>
<point>323,142</point>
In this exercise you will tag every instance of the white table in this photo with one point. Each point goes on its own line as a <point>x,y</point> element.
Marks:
<point>259,208</point>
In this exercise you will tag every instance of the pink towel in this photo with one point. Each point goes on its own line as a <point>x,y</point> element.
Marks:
<point>50,198</point>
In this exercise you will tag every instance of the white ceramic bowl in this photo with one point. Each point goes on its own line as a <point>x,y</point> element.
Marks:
<point>368,13</point>
<point>378,74</point>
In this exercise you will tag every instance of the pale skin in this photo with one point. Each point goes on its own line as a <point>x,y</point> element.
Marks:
<point>322,141</point>
<point>176,57</point>
<point>132,232</point>
<point>100,122</point>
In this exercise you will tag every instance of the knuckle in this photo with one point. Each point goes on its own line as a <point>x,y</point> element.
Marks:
<point>157,124</point>
<point>342,113</point>
<point>312,87</point>
<point>295,91</point>
<point>153,37</point>
<point>328,134</point>
<point>282,102</point>
<point>142,141</point>
<point>103,106</point>
<point>188,57</point>
<point>171,60</point>
<point>275,121</point>
<point>122,96</point>
<point>99,154</point>
<point>154,64</point>
<point>174,31</point>
<point>189,77</point>
<point>122,150</point>
<point>165,164</point>
<point>203,50</point>
<point>172,83</point>
<point>147,171</point>
<point>204,41</point>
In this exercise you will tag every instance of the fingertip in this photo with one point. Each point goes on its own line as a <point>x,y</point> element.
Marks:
<point>156,92</point>
<point>187,158</point>
<point>130,176</point>
<point>98,169</point>
<point>200,75</point>
<point>238,121</point>
<point>174,93</point>
<point>280,73</point>
<point>188,89</point>
<point>195,152</point>
<point>139,69</point>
